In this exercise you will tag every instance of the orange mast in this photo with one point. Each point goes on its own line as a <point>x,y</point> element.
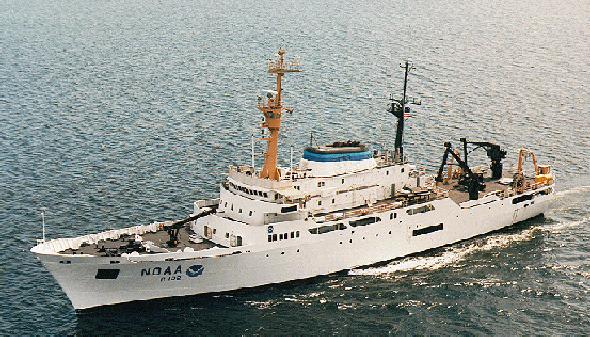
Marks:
<point>272,110</point>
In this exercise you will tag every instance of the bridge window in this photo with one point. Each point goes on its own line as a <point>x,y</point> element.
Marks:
<point>392,216</point>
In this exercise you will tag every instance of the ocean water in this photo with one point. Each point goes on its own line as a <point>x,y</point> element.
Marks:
<point>117,113</point>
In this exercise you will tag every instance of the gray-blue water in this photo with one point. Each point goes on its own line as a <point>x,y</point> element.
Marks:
<point>116,113</point>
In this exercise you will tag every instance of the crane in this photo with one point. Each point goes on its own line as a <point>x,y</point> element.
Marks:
<point>468,178</point>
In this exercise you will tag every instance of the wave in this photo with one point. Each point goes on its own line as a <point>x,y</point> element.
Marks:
<point>452,255</point>
<point>574,190</point>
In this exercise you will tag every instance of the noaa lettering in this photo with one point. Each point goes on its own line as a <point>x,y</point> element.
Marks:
<point>173,274</point>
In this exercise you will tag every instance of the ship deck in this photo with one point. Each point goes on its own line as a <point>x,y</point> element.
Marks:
<point>116,247</point>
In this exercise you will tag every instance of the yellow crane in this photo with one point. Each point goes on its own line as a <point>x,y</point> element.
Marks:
<point>543,174</point>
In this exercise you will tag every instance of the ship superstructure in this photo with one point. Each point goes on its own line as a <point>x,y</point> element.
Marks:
<point>342,206</point>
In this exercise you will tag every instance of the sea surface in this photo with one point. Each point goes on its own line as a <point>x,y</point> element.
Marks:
<point>118,113</point>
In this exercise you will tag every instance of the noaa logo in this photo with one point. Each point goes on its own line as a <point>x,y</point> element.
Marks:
<point>270,229</point>
<point>194,270</point>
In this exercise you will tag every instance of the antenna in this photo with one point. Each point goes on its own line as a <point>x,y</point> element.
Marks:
<point>42,209</point>
<point>291,164</point>
<point>252,148</point>
<point>399,109</point>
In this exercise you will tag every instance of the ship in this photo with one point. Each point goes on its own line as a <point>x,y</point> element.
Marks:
<point>342,206</point>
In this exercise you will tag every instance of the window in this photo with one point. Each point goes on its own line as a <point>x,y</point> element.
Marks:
<point>403,169</point>
<point>225,204</point>
<point>332,200</point>
<point>288,209</point>
<point>387,172</point>
<point>269,238</point>
<point>364,221</point>
<point>274,237</point>
<point>319,202</point>
<point>292,235</point>
<point>226,235</point>
<point>240,210</point>
<point>522,198</point>
<point>250,213</point>
<point>392,216</point>
<point>427,230</point>
<point>107,274</point>
<point>343,181</point>
<point>281,236</point>
<point>327,229</point>
<point>232,207</point>
<point>265,195</point>
<point>297,234</point>
<point>238,240</point>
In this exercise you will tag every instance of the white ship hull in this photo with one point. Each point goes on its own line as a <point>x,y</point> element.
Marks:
<point>325,254</point>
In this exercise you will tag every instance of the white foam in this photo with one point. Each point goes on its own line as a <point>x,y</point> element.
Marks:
<point>575,190</point>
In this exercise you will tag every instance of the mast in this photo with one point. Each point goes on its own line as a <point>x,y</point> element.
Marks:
<point>272,111</point>
<point>399,110</point>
